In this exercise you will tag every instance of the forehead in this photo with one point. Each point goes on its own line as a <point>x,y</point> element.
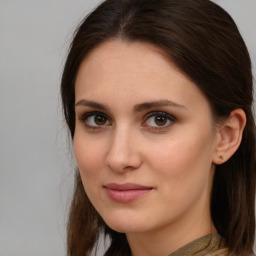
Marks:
<point>118,57</point>
<point>137,71</point>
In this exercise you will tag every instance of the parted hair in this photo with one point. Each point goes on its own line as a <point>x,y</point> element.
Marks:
<point>203,41</point>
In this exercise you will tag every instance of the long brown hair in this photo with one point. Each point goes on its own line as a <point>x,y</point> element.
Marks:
<point>205,44</point>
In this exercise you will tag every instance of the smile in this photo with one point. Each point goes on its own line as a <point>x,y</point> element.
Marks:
<point>126,193</point>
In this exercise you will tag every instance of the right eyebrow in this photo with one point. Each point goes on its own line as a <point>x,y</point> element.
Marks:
<point>92,104</point>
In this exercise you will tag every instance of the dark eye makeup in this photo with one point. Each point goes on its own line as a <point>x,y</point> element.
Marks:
<point>95,119</point>
<point>158,120</point>
<point>153,120</point>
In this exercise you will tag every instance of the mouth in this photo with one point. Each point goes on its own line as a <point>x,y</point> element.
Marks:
<point>125,193</point>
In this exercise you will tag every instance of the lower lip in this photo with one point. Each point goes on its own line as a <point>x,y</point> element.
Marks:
<point>126,196</point>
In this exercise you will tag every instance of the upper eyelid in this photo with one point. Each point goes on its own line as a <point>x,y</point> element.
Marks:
<point>158,112</point>
<point>84,115</point>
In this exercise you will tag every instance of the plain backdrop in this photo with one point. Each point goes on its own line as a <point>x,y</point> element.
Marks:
<point>36,167</point>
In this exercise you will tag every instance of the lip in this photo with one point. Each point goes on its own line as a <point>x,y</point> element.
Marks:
<point>125,193</point>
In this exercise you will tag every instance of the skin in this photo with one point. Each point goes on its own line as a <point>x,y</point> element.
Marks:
<point>176,159</point>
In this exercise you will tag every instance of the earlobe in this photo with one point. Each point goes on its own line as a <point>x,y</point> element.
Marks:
<point>230,135</point>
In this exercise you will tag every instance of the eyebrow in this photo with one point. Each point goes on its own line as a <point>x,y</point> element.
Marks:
<point>92,104</point>
<point>155,104</point>
<point>137,108</point>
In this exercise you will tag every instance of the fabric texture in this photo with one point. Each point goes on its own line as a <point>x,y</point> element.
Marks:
<point>209,245</point>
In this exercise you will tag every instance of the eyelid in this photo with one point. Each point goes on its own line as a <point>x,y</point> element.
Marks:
<point>158,113</point>
<point>82,117</point>
<point>85,115</point>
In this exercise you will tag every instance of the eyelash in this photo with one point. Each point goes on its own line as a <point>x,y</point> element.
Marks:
<point>169,118</point>
<point>84,118</point>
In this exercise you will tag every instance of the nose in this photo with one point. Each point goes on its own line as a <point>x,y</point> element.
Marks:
<point>123,151</point>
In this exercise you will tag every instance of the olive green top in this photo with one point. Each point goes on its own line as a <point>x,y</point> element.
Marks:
<point>210,245</point>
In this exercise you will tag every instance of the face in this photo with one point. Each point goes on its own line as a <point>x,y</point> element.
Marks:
<point>144,139</point>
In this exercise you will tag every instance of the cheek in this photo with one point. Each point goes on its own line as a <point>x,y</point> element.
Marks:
<point>185,161</point>
<point>89,154</point>
<point>184,174</point>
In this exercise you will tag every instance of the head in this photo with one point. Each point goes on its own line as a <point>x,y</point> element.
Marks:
<point>200,45</point>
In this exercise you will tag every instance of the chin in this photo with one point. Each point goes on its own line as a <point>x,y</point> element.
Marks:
<point>125,224</point>
<point>122,228</point>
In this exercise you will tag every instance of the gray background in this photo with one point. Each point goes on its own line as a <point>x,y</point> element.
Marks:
<point>36,169</point>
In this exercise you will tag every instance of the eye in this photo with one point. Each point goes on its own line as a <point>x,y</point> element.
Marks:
<point>95,119</point>
<point>158,120</point>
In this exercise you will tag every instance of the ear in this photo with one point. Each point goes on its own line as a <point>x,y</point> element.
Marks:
<point>229,136</point>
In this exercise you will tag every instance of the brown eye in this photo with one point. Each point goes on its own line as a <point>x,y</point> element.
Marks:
<point>161,120</point>
<point>100,120</point>
<point>95,120</point>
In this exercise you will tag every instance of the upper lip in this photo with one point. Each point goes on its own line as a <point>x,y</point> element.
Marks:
<point>126,186</point>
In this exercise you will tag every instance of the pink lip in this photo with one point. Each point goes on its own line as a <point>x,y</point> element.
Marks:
<point>125,193</point>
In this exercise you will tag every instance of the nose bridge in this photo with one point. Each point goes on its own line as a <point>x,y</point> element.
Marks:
<point>122,153</point>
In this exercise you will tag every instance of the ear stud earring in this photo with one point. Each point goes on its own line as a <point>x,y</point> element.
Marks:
<point>221,157</point>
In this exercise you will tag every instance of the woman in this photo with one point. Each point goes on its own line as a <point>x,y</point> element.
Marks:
<point>157,95</point>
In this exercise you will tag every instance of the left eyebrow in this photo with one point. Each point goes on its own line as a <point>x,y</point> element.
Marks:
<point>156,104</point>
